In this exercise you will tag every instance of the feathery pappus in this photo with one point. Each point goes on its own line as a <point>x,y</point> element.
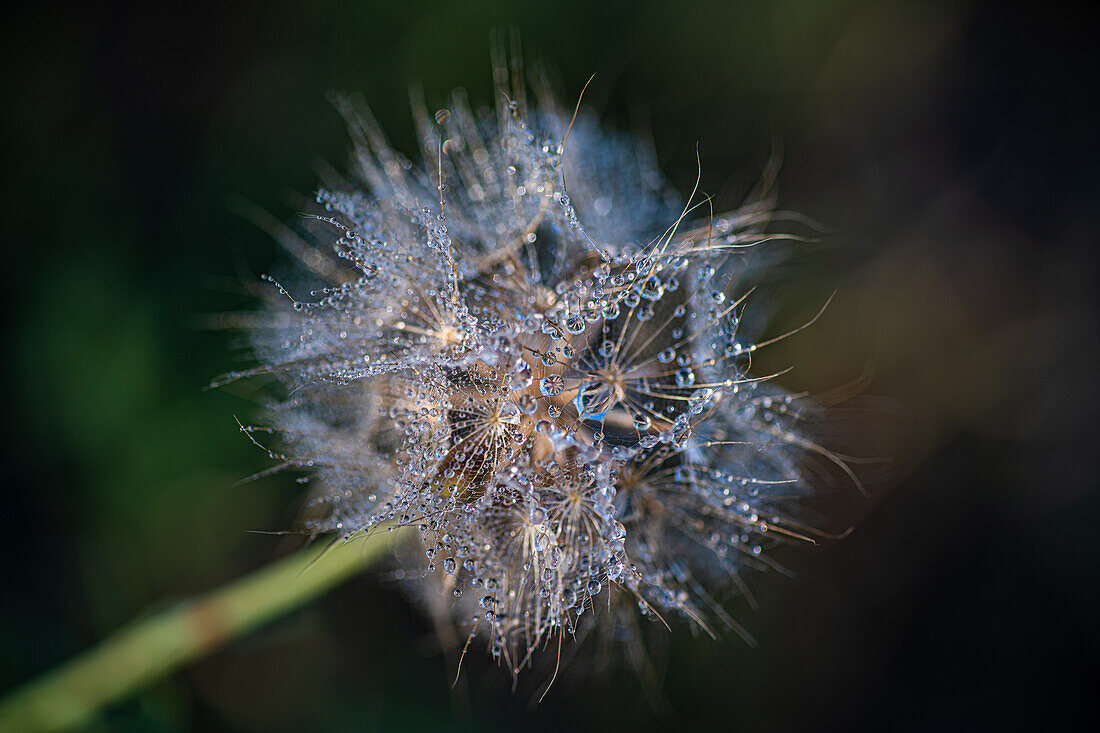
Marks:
<point>531,350</point>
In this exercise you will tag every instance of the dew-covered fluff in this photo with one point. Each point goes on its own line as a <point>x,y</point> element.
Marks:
<point>528,348</point>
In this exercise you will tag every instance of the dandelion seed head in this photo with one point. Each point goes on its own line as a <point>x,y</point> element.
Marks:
<point>533,354</point>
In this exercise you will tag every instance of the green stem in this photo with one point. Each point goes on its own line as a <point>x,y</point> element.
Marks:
<point>150,648</point>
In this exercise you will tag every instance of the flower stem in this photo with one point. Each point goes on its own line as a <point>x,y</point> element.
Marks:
<point>149,649</point>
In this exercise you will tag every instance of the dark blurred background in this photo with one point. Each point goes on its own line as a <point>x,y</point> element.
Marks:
<point>949,147</point>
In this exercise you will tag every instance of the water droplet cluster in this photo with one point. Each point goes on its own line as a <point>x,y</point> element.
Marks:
<point>552,388</point>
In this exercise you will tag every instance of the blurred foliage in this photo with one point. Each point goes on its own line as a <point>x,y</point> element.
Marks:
<point>937,142</point>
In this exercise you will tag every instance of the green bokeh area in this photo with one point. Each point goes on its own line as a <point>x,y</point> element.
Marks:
<point>920,132</point>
